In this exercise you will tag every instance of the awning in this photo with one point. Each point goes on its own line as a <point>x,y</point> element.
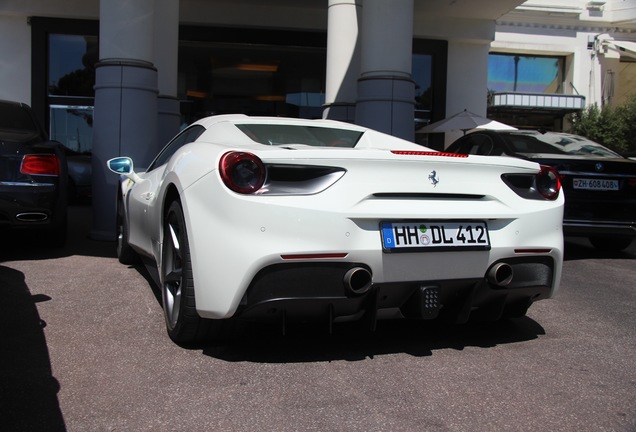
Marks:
<point>627,48</point>
<point>517,101</point>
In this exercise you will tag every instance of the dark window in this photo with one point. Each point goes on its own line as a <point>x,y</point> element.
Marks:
<point>65,52</point>
<point>71,64</point>
<point>254,72</point>
<point>429,73</point>
<point>476,144</point>
<point>270,134</point>
<point>15,118</point>
<point>557,144</point>
<point>185,137</point>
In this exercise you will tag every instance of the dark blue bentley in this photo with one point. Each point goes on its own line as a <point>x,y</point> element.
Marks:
<point>33,175</point>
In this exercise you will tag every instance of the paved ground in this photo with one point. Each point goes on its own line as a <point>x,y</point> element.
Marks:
<point>82,348</point>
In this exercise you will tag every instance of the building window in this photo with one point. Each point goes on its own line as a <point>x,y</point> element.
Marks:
<point>525,73</point>
<point>71,81</point>
<point>422,73</point>
<point>220,78</point>
<point>65,52</point>
<point>71,65</point>
<point>429,73</point>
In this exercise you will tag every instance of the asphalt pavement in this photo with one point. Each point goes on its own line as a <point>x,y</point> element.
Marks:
<point>83,348</point>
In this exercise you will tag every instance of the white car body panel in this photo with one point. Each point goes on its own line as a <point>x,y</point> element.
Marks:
<point>232,236</point>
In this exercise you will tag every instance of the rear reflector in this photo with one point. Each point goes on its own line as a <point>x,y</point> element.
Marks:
<point>314,256</point>
<point>427,153</point>
<point>40,164</point>
<point>532,251</point>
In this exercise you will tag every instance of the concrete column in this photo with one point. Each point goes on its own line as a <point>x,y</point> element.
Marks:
<point>343,59</point>
<point>166,61</point>
<point>386,91</point>
<point>466,94</point>
<point>125,116</point>
<point>609,74</point>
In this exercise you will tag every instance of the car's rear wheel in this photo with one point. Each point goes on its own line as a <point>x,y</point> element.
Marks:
<point>183,323</point>
<point>125,253</point>
<point>611,244</point>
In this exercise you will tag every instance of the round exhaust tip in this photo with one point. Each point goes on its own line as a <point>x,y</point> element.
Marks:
<point>32,217</point>
<point>357,281</point>
<point>501,274</point>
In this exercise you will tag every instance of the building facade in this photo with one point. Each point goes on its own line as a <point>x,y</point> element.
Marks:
<point>121,78</point>
<point>550,59</point>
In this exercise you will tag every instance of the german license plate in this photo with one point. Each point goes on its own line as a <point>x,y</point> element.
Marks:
<point>434,235</point>
<point>595,184</point>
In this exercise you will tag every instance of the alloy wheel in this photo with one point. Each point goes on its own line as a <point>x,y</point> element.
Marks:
<point>172,272</point>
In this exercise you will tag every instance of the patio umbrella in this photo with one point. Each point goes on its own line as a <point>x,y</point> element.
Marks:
<point>464,121</point>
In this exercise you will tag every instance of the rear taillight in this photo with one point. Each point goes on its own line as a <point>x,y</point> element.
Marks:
<point>544,185</point>
<point>548,183</point>
<point>40,164</point>
<point>242,172</point>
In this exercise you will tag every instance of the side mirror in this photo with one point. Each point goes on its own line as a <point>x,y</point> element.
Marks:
<point>123,166</point>
<point>120,165</point>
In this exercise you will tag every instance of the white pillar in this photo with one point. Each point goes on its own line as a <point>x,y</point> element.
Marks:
<point>609,74</point>
<point>343,59</point>
<point>125,117</point>
<point>386,91</point>
<point>166,60</point>
<point>462,93</point>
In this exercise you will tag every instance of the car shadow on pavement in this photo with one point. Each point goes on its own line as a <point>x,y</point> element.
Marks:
<point>28,389</point>
<point>580,248</point>
<point>353,342</point>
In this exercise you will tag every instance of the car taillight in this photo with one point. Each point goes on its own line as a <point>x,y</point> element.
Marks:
<point>544,185</point>
<point>40,164</point>
<point>548,183</point>
<point>242,172</point>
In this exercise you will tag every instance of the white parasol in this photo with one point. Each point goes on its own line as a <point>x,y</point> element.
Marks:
<point>464,121</point>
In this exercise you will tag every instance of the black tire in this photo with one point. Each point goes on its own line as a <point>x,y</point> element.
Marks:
<point>611,244</point>
<point>125,253</point>
<point>72,192</point>
<point>57,234</point>
<point>183,323</point>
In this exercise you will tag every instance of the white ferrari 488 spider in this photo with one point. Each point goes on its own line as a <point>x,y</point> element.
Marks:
<point>280,219</point>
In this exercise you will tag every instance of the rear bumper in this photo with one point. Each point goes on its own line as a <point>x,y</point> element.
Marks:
<point>321,292</point>
<point>590,228</point>
<point>29,205</point>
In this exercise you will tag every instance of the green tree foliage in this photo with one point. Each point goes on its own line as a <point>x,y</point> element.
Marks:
<point>614,127</point>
